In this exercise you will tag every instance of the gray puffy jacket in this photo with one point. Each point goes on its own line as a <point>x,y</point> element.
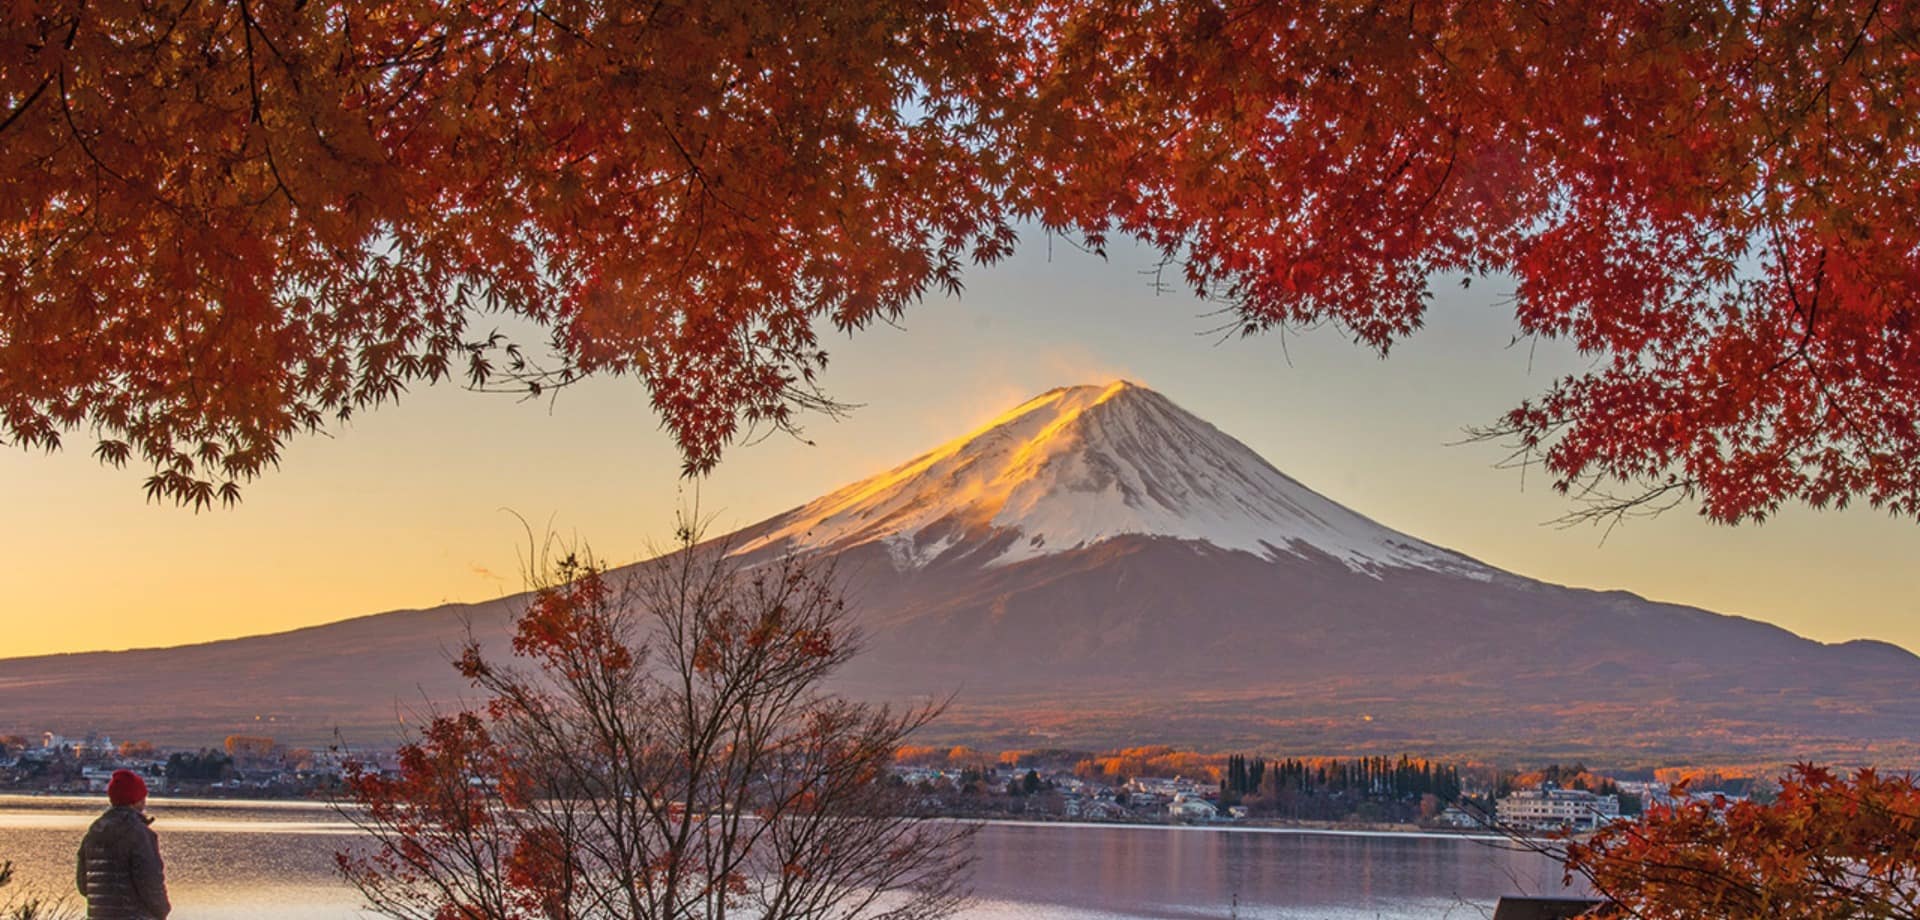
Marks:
<point>120,872</point>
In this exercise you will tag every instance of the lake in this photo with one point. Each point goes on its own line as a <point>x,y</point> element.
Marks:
<point>273,861</point>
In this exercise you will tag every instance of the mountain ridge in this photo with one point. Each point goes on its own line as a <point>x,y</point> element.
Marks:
<point>1090,569</point>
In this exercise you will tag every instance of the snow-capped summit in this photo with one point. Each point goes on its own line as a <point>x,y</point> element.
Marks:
<point>1078,465</point>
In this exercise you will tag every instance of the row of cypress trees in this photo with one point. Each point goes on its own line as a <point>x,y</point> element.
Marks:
<point>1361,777</point>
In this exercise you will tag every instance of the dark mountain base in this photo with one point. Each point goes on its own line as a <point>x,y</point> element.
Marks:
<point>1135,641</point>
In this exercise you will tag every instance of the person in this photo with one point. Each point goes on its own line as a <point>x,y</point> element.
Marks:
<point>120,873</point>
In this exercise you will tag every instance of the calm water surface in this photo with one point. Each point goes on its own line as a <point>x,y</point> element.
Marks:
<point>273,861</point>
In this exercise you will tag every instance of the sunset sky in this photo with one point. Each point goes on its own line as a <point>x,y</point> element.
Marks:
<point>421,504</point>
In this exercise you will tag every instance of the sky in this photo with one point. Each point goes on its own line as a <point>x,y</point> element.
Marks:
<point>430,501</point>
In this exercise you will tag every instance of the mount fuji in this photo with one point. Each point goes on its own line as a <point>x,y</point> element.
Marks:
<point>1077,466</point>
<point>1099,566</point>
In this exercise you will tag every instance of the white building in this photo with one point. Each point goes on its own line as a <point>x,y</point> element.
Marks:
<point>1169,788</point>
<point>1191,808</point>
<point>1551,809</point>
<point>1455,816</point>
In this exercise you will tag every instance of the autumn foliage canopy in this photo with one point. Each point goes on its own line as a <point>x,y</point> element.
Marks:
<point>226,223</point>
<point>1829,847</point>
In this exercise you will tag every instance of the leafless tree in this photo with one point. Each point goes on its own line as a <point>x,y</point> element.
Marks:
<point>660,748</point>
<point>30,904</point>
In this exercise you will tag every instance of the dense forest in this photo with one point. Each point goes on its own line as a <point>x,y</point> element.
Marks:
<point>1367,788</point>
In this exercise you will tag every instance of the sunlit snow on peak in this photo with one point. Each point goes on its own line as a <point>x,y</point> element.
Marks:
<point>1078,465</point>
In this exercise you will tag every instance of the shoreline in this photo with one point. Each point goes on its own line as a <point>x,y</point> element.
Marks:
<point>1302,830</point>
<point>1307,829</point>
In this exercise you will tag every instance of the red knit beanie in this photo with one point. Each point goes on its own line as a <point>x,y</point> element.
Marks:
<point>126,788</point>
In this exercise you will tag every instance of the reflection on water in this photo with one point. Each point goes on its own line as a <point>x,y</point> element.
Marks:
<point>274,861</point>
<point>1181,873</point>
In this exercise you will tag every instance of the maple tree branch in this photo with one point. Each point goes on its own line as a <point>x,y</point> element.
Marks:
<point>1807,312</point>
<point>66,108</point>
<point>1615,509</point>
<point>26,104</point>
<point>1586,488</point>
<point>73,30</point>
<point>1802,352</point>
<point>1825,92</point>
<point>247,27</point>
<point>253,70</point>
<point>1453,156</point>
<point>699,175</point>
<point>1832,405</point>
<point>539,10</point>
<point>1822,95</point>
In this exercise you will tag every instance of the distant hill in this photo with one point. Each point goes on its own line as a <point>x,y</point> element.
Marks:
<point>1097,567</point>
<point>362,675</point>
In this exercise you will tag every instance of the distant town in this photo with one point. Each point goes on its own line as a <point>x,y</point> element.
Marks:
<point>1154,784</point>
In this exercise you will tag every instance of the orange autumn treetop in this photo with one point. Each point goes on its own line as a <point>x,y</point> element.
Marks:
<point>1828,847</point>
<point>223,224</point>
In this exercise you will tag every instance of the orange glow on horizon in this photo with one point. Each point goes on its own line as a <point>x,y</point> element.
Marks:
<point>403,507</point>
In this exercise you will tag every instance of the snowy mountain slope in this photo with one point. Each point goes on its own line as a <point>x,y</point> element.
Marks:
<point>1078,465</point>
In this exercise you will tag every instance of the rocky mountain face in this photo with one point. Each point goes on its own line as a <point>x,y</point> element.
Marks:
<point>1100,567</point>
